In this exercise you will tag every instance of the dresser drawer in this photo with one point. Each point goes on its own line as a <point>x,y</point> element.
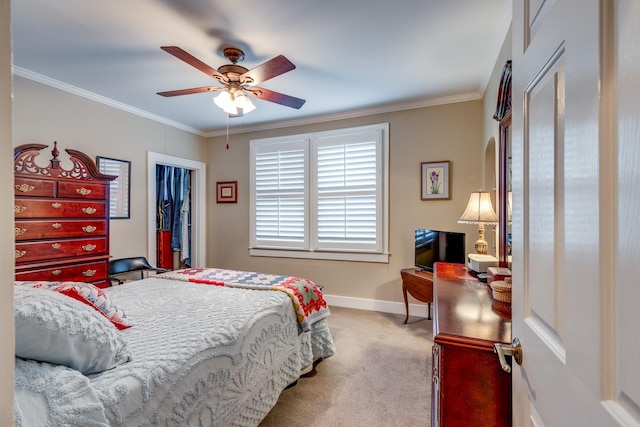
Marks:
<point>54,249</point>
<point>34,187</point>
<point>76,273</point>
<point>29,230</point>
<point>79,190</point>
<point>26,208</point>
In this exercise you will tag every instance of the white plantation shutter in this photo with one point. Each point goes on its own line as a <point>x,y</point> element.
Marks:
<point>280,195</point>
<point>348,181</point>
<point>321,195</point>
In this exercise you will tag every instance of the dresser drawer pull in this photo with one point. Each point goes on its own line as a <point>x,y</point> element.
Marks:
<point>89,228</point>
<point>56,205</point>
<point>24,188</point>
<point>89,273</point>
<point>56,272</point>
<point>56,245</point>
<point>20,254</point>
<point>83,191</point>
<point>19,209</point>
<point>56,225</point>
<point>89,210</point>
<point>20,231</point>
<point>89,247</point>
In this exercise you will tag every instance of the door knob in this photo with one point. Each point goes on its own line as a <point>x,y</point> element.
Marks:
<point>514,349</point>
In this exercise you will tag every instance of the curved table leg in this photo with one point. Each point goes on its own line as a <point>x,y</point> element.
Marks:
<point>406,304</point>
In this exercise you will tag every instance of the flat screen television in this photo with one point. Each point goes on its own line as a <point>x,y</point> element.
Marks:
<point>438,246</point>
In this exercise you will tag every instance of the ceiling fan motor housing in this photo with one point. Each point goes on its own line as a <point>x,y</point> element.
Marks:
<point>233,54</point>
<point>233,72</point>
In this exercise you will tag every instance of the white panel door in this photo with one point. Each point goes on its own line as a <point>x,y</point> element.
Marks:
<point>576,220</point>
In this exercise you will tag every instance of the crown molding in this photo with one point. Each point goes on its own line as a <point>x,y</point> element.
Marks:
<point>28,74</point>
<point>348,114</point>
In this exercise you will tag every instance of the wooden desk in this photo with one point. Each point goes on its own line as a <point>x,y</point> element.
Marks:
<point>419,284</point>
<point>468,387</point>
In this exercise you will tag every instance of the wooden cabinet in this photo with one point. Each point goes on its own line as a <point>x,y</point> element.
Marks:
<point>165,253</point>
<point>61,218</point>
<point>468,386</point>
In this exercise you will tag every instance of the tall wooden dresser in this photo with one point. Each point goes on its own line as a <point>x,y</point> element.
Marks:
<point>61,218</point>
<point>469,388</point>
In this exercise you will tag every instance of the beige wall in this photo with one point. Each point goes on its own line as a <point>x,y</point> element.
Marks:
<point>42,114</point>
<point>450,132</point>
<point>6,219</point>
<point>492,133</point>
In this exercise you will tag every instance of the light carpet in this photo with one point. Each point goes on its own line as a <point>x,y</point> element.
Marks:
<point>380,376</point>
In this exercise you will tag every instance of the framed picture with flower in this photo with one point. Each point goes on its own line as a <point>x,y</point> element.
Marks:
<point>435,180</point>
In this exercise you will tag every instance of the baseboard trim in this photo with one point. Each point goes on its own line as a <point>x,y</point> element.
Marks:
<point>419,310</point>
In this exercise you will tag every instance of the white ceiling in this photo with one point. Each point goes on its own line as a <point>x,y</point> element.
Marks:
<point>352,56</point>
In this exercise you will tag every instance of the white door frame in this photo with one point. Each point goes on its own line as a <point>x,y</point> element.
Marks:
<point>198,203</point>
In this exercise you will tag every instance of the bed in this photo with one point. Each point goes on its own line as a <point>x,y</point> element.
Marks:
<point>198,347</point>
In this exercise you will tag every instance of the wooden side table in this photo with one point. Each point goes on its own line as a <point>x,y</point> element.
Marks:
<point>419,284</point>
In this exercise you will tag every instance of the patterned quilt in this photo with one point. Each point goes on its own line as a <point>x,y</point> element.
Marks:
<point>207,356</point>
<point>307,298</point>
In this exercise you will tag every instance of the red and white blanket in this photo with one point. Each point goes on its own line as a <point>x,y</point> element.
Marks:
<point>307,298</point>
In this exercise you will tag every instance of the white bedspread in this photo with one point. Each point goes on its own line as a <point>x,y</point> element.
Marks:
<point>204,355</point>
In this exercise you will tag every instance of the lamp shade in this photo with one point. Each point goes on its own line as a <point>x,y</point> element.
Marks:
<point>479,210</point>
<point>232,101</point>
<point>224,101</point>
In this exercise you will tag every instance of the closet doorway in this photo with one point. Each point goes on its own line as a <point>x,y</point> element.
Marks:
<point>173,217</point>
<point>197,172</point>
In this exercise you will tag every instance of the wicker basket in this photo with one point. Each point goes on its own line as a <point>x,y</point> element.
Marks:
<point>501,290</point>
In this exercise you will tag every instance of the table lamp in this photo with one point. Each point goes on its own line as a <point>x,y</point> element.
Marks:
<point>479,211</point>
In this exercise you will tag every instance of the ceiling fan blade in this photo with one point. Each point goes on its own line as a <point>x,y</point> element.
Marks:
<point>190,91</point>
<point>278,98</point>
<point>270,69</point>
<point>195,62</point>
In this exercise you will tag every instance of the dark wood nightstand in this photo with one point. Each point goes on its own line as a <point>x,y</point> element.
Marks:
<point>419,284</point>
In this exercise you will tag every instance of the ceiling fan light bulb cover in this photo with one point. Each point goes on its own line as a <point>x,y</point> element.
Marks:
<point>224,101</point>
<point>231,109</point>
<point>242,101</point>
<point>249,107</point>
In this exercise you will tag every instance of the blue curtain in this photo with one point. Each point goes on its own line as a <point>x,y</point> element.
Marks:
<point>173,204</point>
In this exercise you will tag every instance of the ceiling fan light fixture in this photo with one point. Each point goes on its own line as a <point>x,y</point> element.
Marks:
<point>232,101</point>
<point>225,102</point>
<point>242,101</point>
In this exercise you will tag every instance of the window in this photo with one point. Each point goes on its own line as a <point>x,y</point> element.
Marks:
<point>321,195</point>
<point>119,190</point>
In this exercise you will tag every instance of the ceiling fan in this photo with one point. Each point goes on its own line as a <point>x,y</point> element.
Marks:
<point>237,81</point>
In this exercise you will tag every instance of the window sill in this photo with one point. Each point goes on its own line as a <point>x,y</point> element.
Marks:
<point>335,256</point>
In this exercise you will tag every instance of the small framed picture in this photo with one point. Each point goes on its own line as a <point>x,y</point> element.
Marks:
<point>435,180</point>
<point>227,192</point>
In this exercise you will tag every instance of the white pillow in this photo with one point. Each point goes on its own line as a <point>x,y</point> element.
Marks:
<point>51,327</point>
<point>54,395</point>
<point>88,294</point>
